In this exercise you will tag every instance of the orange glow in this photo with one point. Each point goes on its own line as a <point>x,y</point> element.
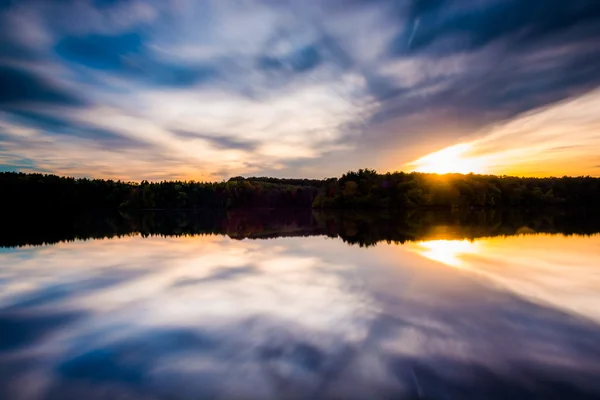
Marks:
<point>557,140</point>
<point>448,160</point>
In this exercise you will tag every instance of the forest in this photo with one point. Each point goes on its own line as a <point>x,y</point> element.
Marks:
<point>363,189</point>
<point>368,189</point>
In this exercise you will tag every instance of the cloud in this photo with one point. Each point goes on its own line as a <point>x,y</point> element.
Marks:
<point>22,87</point>
<point>282,88</point>
<point>223,274</point>
<point>56,126</point>
<point>22,330</point>
<point>300,60</point>
<point>219,141</point>
<point>411,320</point>
<point>124,54</point>
<point>475,24</point>
<point>100,51</point>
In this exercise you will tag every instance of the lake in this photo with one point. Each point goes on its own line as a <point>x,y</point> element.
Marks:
<point>299,304</point>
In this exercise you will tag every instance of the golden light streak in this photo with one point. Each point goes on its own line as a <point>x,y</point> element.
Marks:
<point>561,139</point>
<point>449,160</point>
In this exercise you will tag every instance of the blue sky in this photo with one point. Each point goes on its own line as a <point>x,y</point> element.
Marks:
<point>211,89</point>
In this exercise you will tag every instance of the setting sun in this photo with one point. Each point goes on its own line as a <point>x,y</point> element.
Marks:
<point>449,160</point>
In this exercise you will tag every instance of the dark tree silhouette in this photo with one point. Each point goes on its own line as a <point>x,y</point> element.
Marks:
<point>362,189</point>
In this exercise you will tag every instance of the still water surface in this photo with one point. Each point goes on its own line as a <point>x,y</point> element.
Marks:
<point>445,315</point>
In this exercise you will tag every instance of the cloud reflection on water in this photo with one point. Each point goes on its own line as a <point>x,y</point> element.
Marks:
<point>211,317</point>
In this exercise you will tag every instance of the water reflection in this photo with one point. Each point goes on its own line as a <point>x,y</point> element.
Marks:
<point>449,252</point>
<point>305,315</point>
<point>547,269</point>
<point>363,229</point>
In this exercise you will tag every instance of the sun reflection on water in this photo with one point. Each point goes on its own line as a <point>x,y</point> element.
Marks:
<point>554,270</point>
<point>448,252</point>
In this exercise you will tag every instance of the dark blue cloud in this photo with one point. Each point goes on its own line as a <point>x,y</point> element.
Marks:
<point>41,121</point>
<point>20,329</point>
<point>106,3</point>
<point>100,51</point>
<point>177,75</point>
<point>305,59</point>
<point>22,87</point>
<point>129,361</point>
<point>101,366</point>
<point>9,168</point>
<point>19,163</point>
<point>6,4</point>
<point>477,24</point>
<point>429,381</point>
<point>301,60</point>
<point>126,55</point>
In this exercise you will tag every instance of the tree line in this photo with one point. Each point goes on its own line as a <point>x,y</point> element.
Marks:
<point>363,189</point>
<point>40,191</point>
<point>368,189</point>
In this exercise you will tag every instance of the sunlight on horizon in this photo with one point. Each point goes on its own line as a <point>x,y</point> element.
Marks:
<point>532,144</point>
<point>450,160</point>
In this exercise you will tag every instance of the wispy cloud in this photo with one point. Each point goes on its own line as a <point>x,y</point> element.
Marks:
<point>205,89</point>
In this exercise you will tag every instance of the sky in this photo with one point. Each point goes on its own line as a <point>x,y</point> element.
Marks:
<point>206,90</point>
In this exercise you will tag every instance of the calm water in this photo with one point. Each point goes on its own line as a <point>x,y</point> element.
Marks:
<point>301,305</point>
